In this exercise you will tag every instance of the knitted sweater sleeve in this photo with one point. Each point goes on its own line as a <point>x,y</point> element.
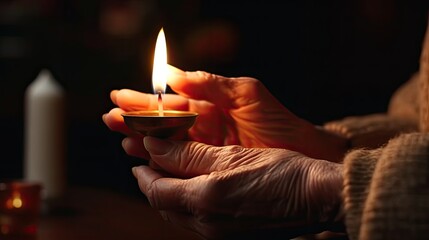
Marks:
<point>386,190</point>
<point>371,131</point>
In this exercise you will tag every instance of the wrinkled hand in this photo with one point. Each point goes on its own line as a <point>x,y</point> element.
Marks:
<point>232,111</point>
<point>221,192</point>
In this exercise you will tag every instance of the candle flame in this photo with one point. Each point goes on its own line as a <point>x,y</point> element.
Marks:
<point>14,202</point>
<point>159,73</point>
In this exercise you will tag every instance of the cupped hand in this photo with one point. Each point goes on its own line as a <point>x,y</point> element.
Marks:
<point>221,192</point>
<point>232,111</point>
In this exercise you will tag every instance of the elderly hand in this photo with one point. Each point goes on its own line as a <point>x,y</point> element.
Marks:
<point>232,111</point>
<point>222,192</point>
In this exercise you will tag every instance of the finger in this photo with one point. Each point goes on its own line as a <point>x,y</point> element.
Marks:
<point>115,122</point>
<point>225,92</point>
<point>175,157</point>
<point>190,159</point>
<point>163,193</point>
<point>130,100</point>
<point>146,177</point>
<point>113,96</point>
<point>133,146</point>
<point>155,166</point>
<point>172,194</point>
<point>209,127</point>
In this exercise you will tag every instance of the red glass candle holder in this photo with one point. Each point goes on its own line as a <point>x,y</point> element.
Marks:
<point>20,204</point>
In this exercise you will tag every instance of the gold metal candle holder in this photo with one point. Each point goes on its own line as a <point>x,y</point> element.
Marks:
<point>150,123</point>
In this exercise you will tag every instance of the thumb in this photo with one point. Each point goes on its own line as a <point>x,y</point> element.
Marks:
<point>227,93</point>
<point>181,158</point>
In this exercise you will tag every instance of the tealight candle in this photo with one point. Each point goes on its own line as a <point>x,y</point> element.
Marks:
<point>160,123</point>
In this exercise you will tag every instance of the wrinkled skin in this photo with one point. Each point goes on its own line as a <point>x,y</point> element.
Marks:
<point>249,166</point>
<point>222,192</point>
<point>232,111</point>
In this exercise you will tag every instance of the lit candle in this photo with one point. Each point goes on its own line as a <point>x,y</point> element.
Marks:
<point>159,72</point>
<point>44,135</point>
<point>161,122</point>
<point>15,201</point>
<point>19,209</point>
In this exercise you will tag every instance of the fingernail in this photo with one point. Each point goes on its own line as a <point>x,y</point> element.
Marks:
<point>125,142</point>
<point>134,170</point>
<point>157,146</point>
<point>103,117</point>
<point>113,96</point>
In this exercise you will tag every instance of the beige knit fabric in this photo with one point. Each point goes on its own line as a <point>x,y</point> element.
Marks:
<point>356,186</point>
<point>397,206</point>
<point>371,131</point>
<point>386,190</point>
<point>404,103</point>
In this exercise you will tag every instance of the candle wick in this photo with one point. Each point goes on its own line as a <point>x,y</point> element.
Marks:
<point>160,105</point>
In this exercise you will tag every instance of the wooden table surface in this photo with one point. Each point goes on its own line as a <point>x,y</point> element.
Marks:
<point>92,214</point>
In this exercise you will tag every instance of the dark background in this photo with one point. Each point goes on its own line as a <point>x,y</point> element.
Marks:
<point>323,59</point>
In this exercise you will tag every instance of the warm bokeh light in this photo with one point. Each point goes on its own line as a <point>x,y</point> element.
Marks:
<point>17,202</point>
<point>14,202</point>
<point>159,73</point>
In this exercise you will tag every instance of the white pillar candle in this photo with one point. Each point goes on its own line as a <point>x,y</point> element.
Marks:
<point>44,152</point>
